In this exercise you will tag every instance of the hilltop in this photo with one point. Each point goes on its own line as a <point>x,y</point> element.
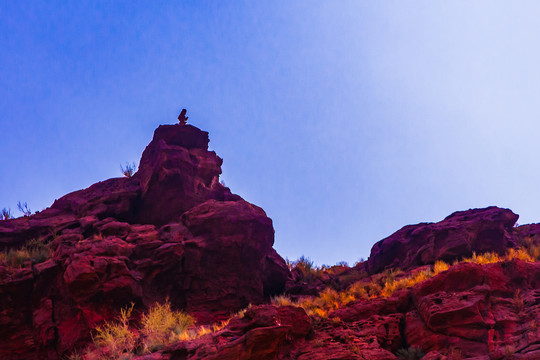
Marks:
<point>170,264</point>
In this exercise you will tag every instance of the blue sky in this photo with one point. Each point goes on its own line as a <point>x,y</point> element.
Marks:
<point>344,120</point>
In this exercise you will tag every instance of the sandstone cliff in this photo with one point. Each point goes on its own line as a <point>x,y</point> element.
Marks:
<point>467,287</point>
<point>170,231</point>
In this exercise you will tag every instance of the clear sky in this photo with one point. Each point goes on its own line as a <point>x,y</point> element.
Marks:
<point>344,120</point>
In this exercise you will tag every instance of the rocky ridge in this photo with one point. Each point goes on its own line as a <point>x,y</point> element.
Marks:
<point>172,231</point>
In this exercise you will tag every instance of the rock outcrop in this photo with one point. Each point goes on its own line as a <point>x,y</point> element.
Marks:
<point>480,310</point>
<point>470,311</point>
<point>171,231</point>
<point>457,236</point>
<point>262,333</point>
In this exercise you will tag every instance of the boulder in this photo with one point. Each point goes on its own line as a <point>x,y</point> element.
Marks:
<point>455,237</point>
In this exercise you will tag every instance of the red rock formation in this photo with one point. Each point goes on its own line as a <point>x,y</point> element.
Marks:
<point>478,309</point>
<point>457,236</point>
<point>173,231</point>
<point>263,333</point>
<point>170,231</point>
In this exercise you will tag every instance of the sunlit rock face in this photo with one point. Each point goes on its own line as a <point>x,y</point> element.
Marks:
<point>171,231</point>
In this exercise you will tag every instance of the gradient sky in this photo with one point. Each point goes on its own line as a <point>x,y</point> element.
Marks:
<point>344,120</point>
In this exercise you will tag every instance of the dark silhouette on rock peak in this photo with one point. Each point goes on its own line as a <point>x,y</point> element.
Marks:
<point>170,232</point>
<point>182,117</point>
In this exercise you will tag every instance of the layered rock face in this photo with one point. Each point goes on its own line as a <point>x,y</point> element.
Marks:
<point>470,311</point>
<point>171,231</point>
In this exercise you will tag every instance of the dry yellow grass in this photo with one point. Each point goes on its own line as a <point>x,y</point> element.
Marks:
<point>34,250</point>
<point>158,327</point>
<point>440,266</point>
<point>161,325</point>
<point>282,300</point>
<point>521,254</point>
<point>328,300</point>
<point>387,283</point>
<point>113,339</point>
<point>393,285</point>
<point>485,258</point>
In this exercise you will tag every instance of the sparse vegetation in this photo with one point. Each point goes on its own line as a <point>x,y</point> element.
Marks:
<point>393,285</point>
<point>306,267</point>
<point>361,260</point>
<point>24,209</point>
<point>158,327</point>
<point>129,169</point>
<point>240,314</point>
<point>440,266</point>
<point>282,300</point>
<point>388,282</point>
<point>305,264</point>
<point>5,214</point>
<point>161,325</point>
<point>114,339</point>
<point>328,300</point>
<point>34,250</point>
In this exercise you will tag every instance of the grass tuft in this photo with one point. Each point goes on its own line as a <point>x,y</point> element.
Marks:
<point>115,338</point>
<point>34,250</point>
<point>161,325</point>
<point>282,300</point>
<point>388,282</point>
<point>5,214</point>
<point>129,169</point>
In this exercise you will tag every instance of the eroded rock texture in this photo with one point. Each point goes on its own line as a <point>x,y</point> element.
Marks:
<point>170,231</point>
